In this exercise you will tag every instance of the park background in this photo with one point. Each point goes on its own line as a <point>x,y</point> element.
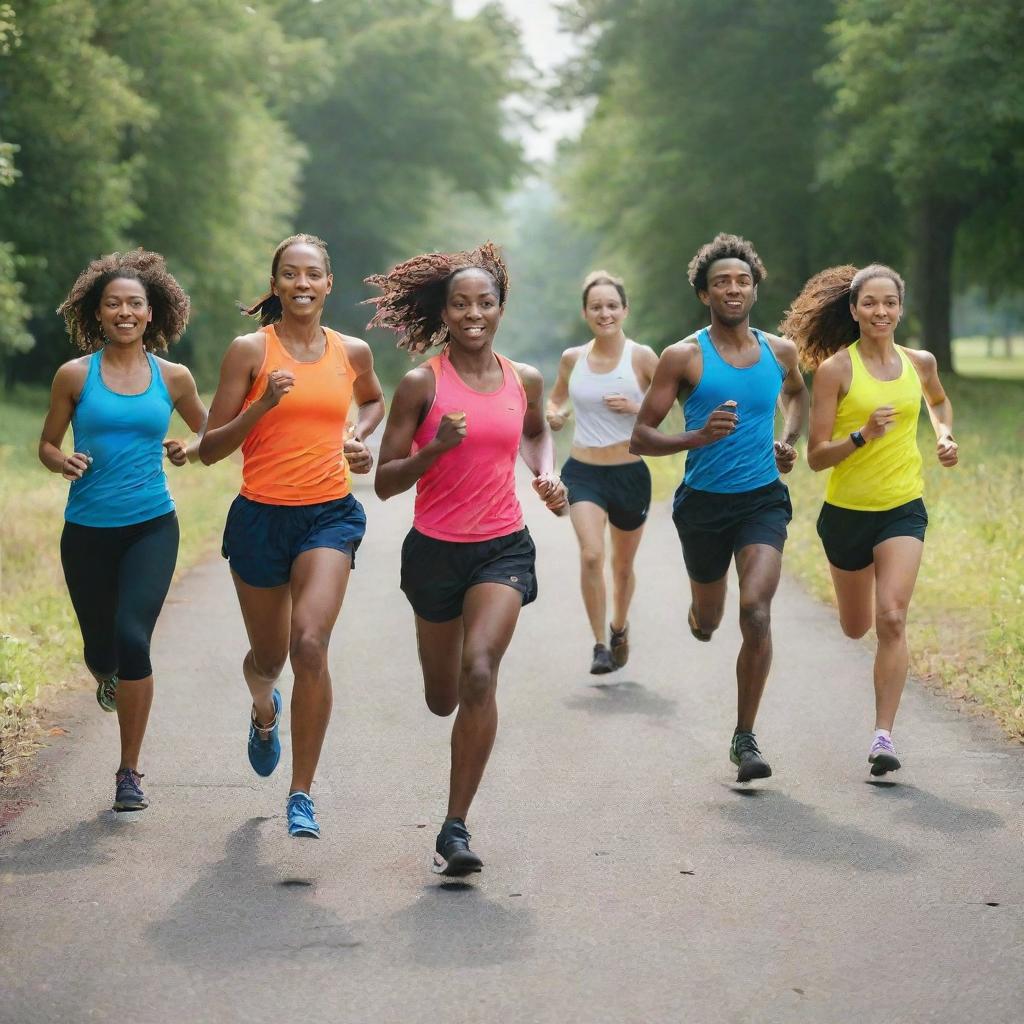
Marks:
<point>614,133</point>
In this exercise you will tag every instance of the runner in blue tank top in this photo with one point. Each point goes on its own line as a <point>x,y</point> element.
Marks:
<point>731,501</point>
<point>120,539</point>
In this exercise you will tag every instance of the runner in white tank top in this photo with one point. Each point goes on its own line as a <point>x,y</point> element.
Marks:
<point>603,384</point>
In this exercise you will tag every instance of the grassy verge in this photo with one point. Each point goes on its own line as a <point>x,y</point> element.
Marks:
<point>967,617</point>
<point>40,646</point>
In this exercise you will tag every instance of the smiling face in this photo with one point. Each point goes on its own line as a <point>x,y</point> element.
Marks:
<point>124,312</point>
<point>604,310</point>
<point>472,310</point>
<point>731,291</point>
<point>301,281</point>
<point>878,308</point>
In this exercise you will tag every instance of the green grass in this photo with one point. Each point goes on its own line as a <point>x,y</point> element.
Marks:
<point>971,359</point>
<point>40,646</point>
<point>967,616</point>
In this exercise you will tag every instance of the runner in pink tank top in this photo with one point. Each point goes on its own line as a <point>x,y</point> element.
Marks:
<point>455,427</point>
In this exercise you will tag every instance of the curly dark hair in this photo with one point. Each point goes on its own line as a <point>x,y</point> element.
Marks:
<point>724,247</point>
<point>819,319</point>
<point>415,292</point>
<point>268,308</point>
<point>165,296</point>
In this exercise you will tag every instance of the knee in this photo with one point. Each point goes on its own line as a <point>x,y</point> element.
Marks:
<point>308,652</point>
<point>592,559</point>
<point>622,572</point>
<point>755,620</point>
<point>891,625</point>
<point>441,706</point>
<point>854,628</point>
<point>266,666</point>
<point>477,684</point>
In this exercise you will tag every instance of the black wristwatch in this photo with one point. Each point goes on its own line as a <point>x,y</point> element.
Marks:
<point>858,439</point>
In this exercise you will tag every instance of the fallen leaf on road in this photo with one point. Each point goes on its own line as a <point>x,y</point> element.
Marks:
<point>58,731</point>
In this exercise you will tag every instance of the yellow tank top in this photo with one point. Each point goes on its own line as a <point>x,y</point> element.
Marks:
<point>886,472</point>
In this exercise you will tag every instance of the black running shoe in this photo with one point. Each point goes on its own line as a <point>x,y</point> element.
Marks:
<point>452,855</point>
<point>129,795</point>
<point>603,661</point>
<point>745,755</point>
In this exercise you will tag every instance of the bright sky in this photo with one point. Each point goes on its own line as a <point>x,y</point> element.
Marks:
<point>547,47</point>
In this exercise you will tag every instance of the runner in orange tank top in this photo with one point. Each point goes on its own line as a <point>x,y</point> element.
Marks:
<point>291,535</point>
<point>456,426</point>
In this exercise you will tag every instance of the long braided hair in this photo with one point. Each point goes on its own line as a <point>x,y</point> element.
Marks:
<point>414,293</point>
<point>819,319</point>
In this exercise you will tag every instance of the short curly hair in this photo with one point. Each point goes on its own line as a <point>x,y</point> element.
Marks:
<point>819,318</point>
<point>165,296</point>
<point>724,247</point>
<point>415,293</point>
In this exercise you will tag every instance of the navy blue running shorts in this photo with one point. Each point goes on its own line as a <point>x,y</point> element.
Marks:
<point>850,535</point>
<point>713,527</point>
<point>261,541</point>
<point>436,574</point>
<point>623,491</point>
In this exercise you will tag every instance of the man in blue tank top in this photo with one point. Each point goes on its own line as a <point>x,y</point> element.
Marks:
<point>730,379</point>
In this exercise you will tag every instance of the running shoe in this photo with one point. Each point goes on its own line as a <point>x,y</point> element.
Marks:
<point>452,855</point>
<point>264,742</point>
<point>106,693</point>
<point>882,756</point>
<point>602,662</point>
<point>301,818</point>
<point>745,754</point>
<point>619,644</point>
<point>129,795</point>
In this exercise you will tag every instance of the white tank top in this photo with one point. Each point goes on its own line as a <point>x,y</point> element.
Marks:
<point>597,426</point>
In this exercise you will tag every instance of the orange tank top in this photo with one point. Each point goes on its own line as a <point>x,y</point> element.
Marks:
<point>295,453</point>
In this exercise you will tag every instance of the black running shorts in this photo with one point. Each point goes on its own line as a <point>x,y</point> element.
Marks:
<point>713,527</point>
<point>437,573</point>
<point>850,536</point>
<point>623,491</point>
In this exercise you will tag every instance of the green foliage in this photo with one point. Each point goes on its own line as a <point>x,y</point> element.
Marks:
<point>14,336</point>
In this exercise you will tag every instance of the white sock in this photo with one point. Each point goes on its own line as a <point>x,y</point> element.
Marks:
<point>883,732</point>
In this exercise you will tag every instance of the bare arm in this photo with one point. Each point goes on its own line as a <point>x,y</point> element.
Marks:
<point>793,401</point>
<point>674,375</point>
<point>940,409</point>
<point>558,407</point>
<point>537,446</point>
<point>67,386</point>
<point>369,399</point>
<point>182,388</point>
<point>398,469</point>
<point>227,426</point>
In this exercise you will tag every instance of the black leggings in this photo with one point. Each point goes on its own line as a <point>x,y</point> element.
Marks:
<point>118,577</point>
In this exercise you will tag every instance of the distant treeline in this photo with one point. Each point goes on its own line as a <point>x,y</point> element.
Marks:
<point>210,129</point>
<point>827,131</point>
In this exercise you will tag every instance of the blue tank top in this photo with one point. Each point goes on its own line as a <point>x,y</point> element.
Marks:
<point>745,460</point>
<point>124,434</point>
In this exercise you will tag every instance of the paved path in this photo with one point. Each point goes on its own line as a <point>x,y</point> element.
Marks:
<point>627,878</point>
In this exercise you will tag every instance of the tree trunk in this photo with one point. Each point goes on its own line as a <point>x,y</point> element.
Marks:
<point>937,222</point>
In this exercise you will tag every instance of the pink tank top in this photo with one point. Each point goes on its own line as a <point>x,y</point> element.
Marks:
<point>469,493</point>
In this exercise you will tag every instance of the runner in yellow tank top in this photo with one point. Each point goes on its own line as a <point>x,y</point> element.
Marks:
<point>864,413</point>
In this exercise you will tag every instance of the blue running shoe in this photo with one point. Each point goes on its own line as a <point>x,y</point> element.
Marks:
<point>301,818</point>
<point>129,795</point>
<point>264,753</point>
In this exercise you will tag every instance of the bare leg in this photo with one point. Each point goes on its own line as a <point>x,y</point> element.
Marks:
<point>134,699</point>
<point>266,612</point>
<point>319,579</point>
<point>759,567</point>
<point>855,596</point>
<point>707,607</point>
<point>624,548</point>
<point>589,521</point>
<point>897,561</point>
<point>440,649</point>
<point>489,615</point>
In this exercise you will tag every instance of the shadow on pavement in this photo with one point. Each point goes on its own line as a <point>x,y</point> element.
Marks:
<point>74,847</point>
<point>800,832</point>
<point>454,925</point>
<point>936,812</point>
<point>240,909</point>
<point>622,698</point>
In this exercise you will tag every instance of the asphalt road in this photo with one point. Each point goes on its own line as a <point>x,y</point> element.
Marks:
<point>627,878</point>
